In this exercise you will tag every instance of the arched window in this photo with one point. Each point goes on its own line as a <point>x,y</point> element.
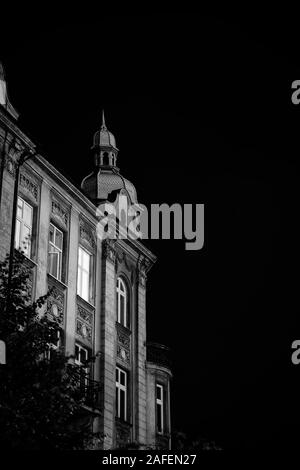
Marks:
<point>122,303</point>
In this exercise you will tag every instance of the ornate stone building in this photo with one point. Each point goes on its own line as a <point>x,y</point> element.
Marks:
<point>98,287</point>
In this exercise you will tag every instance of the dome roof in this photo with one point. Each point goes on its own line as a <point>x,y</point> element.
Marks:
<point>104,138</point>
<point>101,183</point>
<point>105,180</point>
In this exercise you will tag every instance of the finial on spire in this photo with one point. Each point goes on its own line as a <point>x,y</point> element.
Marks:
<point>103,126</point>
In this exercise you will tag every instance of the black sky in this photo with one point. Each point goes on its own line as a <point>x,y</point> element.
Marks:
<point>201,110</point>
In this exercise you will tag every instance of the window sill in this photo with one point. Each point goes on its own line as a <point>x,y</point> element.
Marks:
<point>57,282</point>
<point>121,422</point>
<point>164,434</point>
<point>85,302</point>
<point>30,262</point>
<point>123,328</point>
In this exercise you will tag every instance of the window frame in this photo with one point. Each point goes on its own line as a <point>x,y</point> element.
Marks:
<point>86,370</point>
<point>123,295</point>
<point>160,403</point>
<point>60,252</point>
<point>80,268</point>
<point>28,250</point>
<point>121,388</point>
<point>55,346</point>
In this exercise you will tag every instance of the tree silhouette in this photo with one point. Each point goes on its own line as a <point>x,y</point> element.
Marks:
<point>41,404</point>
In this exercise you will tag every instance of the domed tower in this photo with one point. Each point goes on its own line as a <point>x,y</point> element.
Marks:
<point>106,181</point>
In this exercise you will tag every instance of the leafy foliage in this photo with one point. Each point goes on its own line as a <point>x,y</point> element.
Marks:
<point>40,404</point>
<point>183,442</point>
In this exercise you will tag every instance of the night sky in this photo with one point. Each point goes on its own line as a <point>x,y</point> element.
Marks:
<point>201,110</point>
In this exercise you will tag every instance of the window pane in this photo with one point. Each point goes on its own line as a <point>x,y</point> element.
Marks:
<point>158,413</point>
<point>57,340</point>
<point>51,233</point>
<point>83,281</point>
<point>79,282</point>
<point>117,402</point>
<point>85,261</point>
<point>27,214</point>
<point>53,262</point>
<point>76,352</point>
<point>58,239</point>
<point>122,310</point>
<point>17,234</point>
<point>79,256</point>
<point>83,356</point>
<point>20,208</point>
<point>59,266</point>
<point>122,404</point>
<point>122,378</point>
<point>158,391</point>
<point>85,285</point>
<point>25,242</point>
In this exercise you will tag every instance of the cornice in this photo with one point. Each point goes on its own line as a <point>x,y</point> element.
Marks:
<point>14,129</point>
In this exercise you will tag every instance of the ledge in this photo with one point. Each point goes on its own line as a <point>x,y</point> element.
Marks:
<point>85,303</point>
<point>30,262</point>
<point>160,356</point>
<point>123,328</point>
<point>58,283</point>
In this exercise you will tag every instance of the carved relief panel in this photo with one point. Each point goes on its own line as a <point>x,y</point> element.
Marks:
<point>55,305</point>
<point>84,324</point>
<point>123,345</point>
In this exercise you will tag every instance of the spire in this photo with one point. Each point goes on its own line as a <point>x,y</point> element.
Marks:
<point>103,126</point>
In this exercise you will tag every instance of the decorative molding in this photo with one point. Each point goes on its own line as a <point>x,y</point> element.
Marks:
<point>84,323</point>
<point>83,330</point>
<point>123,339</point>
<point>60,211</point>
<point>122,258</point>
<point>13,153</point>
<point>57,295</point>
<point>87,234</point>
<point>142,269</point>
<point>85,315</point>
<point>142,279</point>
<point>27,184</point>
<point>10,165</point>
<point>109,251</point>
<point>123,433</point>
<point>123,344</point>
<point>55,305</point>
<point>123,354</point>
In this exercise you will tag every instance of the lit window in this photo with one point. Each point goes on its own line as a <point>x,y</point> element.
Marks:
<point>84,271</point>
<point>55,252</point>
<point>23,227</point>
<point>159,409</point>
<point>122,307</point>
<point>121,394</point>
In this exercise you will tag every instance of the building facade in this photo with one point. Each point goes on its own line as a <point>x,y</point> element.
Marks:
<point>98,287</point>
